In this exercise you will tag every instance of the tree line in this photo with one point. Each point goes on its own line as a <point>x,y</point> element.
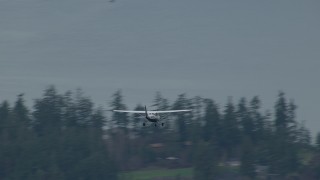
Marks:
<point>64,136</point>
<point>60,138</point>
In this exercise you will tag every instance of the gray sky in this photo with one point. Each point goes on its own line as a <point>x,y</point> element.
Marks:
<point>211,48</point>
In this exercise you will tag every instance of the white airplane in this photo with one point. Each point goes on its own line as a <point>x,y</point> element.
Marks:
<point>152,116</point>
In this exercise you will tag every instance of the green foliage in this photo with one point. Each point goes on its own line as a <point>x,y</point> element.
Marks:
<point>248,162</point>
<point>284,150</point>
<point>231,133</point>
<point>43,144</point>
<point>206,162</point>
<point>245,119</point>
<point>212,119</point>
<point>318,141</point>
<point>48,112</point>
<point>119,120</point>
<point>65,137</point>
<point>152,174</point>
<point>182,119</point>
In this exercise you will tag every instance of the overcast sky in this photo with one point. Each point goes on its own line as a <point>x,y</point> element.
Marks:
<point>211,48</point>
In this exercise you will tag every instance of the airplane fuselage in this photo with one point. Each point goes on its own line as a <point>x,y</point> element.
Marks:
<point>152,117</point>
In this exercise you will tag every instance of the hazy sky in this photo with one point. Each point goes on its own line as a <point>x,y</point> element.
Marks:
<point>211,48</point>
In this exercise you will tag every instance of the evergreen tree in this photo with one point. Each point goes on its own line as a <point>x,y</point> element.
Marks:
<point>69,114</point>
<point>212,126</point>
<point>245,119</point>
<point>58,150</point>
<point>183,119</point>
<point>119,119</point>
<point>264,138</point>
<point>5,143</point>
<point>197,121</point>
<point>206,162</point>
<point>160,103</point>
<point>247,167</point>
<point>120,147</point>
<point>4,110</point>
<point>285,158</point>
<point>303,136</point>
<point>4,115</point>
<point>138,121</point>
<point>63,138</point>
<point>21,111</point>
<point>97,122</point>
<point>83,109</point>
<point>318,141</point>
<point>198,106</point>
<point>258,120</point>
<point>230,128</point>
<point>48,112</point>
<point>284,118</point>
<point>22,120</point>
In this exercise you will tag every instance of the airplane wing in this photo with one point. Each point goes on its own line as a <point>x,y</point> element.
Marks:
<point>125,111</point>
<point>143,112</point>
<point>171,111</point>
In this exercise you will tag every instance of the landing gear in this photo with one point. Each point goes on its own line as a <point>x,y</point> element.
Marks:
<point>155,124</point>
<point>162,124</point>
<point>143,124</point>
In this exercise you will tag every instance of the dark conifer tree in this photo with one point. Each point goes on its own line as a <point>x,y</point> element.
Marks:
<point>206,162</point>
<point>318,141</point>
<point>137,122</point>
<point>183,119</point>
<point>303,137</point>
<point>248,162</point>
<point>245,119</point>
<point>282,119</point>
<point>22,120</point>
<point>258,120</point>
<point>4,115</point>
<point>284,153</point>
<point>120,120</point>
<point>69,114</point>
<point>5,143</point>
<point>48,112</point>
<point>230,128</point>
<point>120,147</point>
<point>197,121</point>
<point>97,122</point>
<point>160,103</point>
<point>212,126</point>
<point>83,109</point>
<point>21,112</point>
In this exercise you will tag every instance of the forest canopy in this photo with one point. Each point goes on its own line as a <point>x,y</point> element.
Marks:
<point>65,136</point>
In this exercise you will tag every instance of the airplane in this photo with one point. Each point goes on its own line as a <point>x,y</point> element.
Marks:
<point>151,116</point>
